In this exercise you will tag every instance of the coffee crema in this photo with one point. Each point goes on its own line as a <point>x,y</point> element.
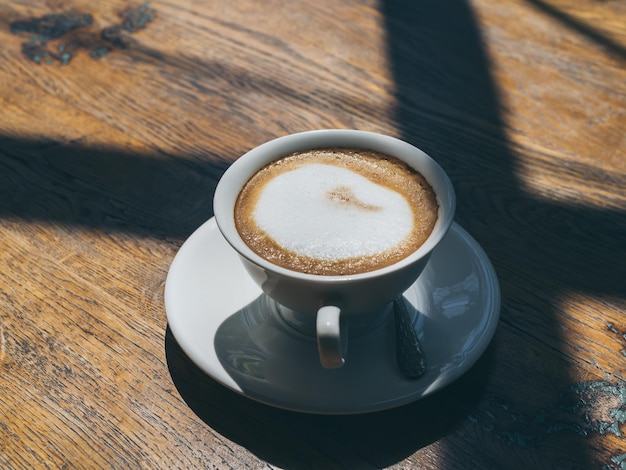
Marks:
<point>336,211</point>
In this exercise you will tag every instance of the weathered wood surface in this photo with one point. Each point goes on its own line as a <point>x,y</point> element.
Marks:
<point>110,149</point>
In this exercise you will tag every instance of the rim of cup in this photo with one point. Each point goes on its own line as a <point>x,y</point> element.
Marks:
<point>242,169</point>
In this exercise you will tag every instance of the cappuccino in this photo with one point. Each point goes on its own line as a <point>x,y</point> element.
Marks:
<point>336,211</point>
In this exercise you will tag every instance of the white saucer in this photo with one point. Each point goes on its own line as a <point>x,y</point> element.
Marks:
<point>222,321</point>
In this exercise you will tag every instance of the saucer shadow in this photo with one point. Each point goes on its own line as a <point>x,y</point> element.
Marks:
<point>294,440</point>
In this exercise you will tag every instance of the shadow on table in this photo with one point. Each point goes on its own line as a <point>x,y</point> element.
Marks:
<point>105,189</point>
<point>542,249</point>
<point>611,46</point>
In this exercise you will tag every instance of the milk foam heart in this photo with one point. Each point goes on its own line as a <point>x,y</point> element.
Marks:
<point>332,213</point>
<point>335,211</point>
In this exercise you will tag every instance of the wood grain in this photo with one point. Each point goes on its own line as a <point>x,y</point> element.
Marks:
<point>109,159</point>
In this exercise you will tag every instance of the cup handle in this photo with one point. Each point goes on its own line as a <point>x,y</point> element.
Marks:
<point>329,342</point>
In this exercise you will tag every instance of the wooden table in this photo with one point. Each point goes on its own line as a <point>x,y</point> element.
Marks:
<point>117,120</point>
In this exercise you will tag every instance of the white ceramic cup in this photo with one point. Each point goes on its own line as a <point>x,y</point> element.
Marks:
<point>332,300</point>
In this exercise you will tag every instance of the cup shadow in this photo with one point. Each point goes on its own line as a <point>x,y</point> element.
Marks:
<point>291,439</point>
<point>271,361</point>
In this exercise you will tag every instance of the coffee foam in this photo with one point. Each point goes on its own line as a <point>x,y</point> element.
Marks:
<point>335,211</point>
<point>332,213</point>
